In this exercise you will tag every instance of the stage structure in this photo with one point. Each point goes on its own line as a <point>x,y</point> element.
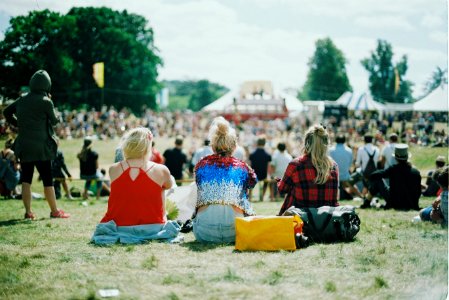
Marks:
<point>255,99</point>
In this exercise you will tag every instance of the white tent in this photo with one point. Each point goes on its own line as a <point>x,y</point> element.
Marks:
<point>292,103</point>
<point>435,101</point>
<point>394,107</point>
<point>221,103</point>
<point>226,101</point>
<point>359,102</point>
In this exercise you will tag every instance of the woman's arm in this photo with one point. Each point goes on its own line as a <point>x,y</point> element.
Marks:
<point>286,182</point>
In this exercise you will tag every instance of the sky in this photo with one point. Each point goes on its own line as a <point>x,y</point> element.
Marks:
<point>232,41</point>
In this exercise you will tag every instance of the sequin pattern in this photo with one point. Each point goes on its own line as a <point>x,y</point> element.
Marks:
<point>224,180</point>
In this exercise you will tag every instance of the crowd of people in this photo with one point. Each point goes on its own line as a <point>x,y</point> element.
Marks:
<point>305,169</point>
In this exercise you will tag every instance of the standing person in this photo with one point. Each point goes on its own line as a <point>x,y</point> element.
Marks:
<point>35,145</point>
<point>202,152</point>
<point>281,159</point>
<point>175,159</point>
<point>89,168</point>
<point>405,183</point>
<point>58,168</point>
<point>311,180</point>
<point>260,162</point>
<point>367,158</point>
<point>342,155</point>
<point>223,182</point>
<point>136,205</point>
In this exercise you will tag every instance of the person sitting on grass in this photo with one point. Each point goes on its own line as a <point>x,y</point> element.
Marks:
<point>311,180</point>
<point>136,205</point>
<point>438,211</point>
<point>433,187</point>
<point>223,182</point>
<point>405,183</point>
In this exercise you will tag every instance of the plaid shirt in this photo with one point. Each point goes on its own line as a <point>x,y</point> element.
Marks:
<point>302,191</point>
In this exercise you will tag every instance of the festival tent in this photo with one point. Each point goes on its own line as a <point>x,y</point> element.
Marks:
<point>224,102</point>
<point>359,102</point>
<point>221,103</point>
<point>395,107</point>
<point>435,101</point>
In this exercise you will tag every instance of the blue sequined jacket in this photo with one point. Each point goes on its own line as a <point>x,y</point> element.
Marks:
<point>224,180</point>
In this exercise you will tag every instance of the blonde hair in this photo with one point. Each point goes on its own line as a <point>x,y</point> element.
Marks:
<point>222,137</point>
<point>136,143</point>
<point>315,144</point>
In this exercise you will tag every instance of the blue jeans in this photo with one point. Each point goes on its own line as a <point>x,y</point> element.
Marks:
<point>215,224</point>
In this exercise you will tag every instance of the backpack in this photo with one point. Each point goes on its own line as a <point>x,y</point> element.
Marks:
<point>371,165</point>
<point>327,223</point>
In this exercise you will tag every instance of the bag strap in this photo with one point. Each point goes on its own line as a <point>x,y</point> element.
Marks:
<point>370,155</point>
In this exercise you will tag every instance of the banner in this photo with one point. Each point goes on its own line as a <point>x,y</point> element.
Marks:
<point>98,74</point>
<point>397,81</point>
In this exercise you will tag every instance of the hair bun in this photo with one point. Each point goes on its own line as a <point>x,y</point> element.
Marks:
<point>222,128</point>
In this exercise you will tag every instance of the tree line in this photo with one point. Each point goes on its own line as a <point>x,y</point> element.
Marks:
<point>68,45</point>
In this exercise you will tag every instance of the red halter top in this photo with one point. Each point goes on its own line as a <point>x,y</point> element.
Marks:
<point>135,202</point>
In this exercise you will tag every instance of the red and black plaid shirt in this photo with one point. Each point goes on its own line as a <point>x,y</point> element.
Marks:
<point>302,191</point>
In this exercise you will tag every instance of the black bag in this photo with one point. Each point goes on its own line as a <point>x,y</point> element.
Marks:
<point>328,224</point>
<point>370,166</point>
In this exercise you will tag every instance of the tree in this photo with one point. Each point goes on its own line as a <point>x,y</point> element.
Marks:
<point>327,78</point>
<point>191,94</point>
<point>67,46</point>
<point>386,80</point>
<point>38,41</point>
<point>439,77</point>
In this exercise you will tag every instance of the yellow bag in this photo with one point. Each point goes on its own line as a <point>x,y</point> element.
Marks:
<point>267,233</point>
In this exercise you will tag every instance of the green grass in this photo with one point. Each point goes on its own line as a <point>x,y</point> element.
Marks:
<point>52,258</point>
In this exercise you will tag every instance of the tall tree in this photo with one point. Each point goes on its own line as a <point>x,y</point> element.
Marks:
<point>67,46</point>
<point>386,80</point>
<point>327,78</point>
<point>40,40</point>
<point>439,77</point>
<point>204,92</point>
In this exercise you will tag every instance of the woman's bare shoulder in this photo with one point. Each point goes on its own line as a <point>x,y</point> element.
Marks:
<point>115,171</point>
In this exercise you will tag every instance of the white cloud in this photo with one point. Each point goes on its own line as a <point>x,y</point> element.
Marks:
<point>432,21</point>
<point>439,37</point>
<point>383,22</point>
<point>211,39</point>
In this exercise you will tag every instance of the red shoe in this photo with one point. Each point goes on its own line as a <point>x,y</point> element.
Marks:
<point>60,214</point>
<point>30,216</point>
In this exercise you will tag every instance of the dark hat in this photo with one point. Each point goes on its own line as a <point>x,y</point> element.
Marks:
<point>87,142</point>
<point>401,152</point>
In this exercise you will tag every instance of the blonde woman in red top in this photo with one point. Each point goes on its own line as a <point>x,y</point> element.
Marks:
<point>136,206</point>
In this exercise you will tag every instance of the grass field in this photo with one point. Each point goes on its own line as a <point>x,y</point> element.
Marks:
<point>391,258</point>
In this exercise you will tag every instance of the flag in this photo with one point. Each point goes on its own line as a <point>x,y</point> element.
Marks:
<point>397,81</point>
<point>98,73</point>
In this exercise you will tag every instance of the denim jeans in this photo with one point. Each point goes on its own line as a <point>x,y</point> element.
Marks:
<point>215,224</point>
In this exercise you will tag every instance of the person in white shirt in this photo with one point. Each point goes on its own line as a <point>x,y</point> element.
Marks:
<point>386,156</point>
<point>239,153</point>
<point>280,160</point>
<point>202,152</point>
